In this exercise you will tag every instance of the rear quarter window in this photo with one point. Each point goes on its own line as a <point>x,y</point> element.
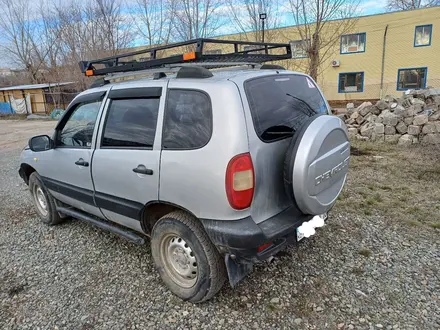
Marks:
<point>188,120</point>
<point>281,103</point>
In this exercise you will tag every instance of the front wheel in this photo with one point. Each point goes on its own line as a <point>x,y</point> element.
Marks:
<point>43,200</point>
<point>185,257</point>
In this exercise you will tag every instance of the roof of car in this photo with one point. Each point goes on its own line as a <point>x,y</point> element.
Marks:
<point>219,75</point>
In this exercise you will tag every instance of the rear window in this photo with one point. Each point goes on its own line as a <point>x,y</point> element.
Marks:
<point>280,104</point>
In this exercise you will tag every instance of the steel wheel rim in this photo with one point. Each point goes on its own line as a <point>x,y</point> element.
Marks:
<point>179,260</point>
<point>40,200</point>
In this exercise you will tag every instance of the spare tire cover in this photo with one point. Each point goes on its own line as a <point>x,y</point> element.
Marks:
<point>316,164</point>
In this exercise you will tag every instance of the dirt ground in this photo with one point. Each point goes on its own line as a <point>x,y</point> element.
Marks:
<point>16,133</point>
<point>374,265</point>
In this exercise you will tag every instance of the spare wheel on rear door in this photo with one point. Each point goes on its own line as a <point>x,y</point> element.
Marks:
<point>316,163</point>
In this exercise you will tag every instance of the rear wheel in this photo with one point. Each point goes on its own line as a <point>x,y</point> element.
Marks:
<point>186,259</point>
<point>43,200</point>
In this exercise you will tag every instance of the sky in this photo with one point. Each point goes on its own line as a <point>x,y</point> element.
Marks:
<point>367,7</point>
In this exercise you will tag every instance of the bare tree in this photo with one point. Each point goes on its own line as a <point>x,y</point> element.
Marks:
<point>89,31</point>
<point>196,18</point>
<point>154,20</point>
<point>411,4</point>
<point>24,37</point>
<point>319,25</point>
<point>245,15</point>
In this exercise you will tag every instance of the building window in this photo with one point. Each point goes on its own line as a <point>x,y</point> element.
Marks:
<point>413,78</point>
<point>422,35</point>
<point>351,82</point>
<point>213,52</point>
<point>299,48</point>
<point>250,47</point>
<point>353,43</point>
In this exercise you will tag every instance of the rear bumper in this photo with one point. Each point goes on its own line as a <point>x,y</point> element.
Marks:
<point>240,238</point>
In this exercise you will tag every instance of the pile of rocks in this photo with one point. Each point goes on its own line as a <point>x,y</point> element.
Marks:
<point>413,118</point>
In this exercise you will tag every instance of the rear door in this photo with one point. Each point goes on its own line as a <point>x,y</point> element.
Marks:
<point>126,161</point>
<point>278,106</point>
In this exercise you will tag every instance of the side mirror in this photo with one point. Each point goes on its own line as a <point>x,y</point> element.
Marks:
<point>40,143</point>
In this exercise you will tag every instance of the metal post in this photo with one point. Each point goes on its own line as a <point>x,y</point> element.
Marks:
<point>263,16</point>
<point>383,61</point>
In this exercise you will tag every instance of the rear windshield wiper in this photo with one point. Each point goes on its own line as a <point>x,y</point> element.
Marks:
<point>311,110</point>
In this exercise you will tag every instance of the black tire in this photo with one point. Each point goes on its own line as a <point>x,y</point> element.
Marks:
<point>211,271</point>
<point>51,217</point>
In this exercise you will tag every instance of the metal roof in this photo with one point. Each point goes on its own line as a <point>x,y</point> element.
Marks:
<point>34,86</point>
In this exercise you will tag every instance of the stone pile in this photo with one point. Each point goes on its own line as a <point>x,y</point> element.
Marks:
<point>413,118</point>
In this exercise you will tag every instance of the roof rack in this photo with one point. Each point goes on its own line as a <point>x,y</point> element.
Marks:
<point>257,52</point>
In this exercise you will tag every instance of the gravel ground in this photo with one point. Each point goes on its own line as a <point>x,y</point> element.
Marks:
<point>358,272</point>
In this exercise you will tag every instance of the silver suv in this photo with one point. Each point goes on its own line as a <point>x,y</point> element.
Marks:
<point>220,168</point>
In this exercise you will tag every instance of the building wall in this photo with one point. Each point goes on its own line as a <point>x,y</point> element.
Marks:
<point>37,98</point>
<point>399,52</point>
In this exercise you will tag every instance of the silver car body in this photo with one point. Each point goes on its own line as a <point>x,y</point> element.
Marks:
<point>193,180</point>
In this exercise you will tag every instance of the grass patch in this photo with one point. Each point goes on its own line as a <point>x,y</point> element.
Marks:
<point>413,210</point>
<point>271,307</point>
<point>343,195</point>
<point>390,186</point>
<point>12,116</point>
<point>360,151</point>
<point>365,252</point>
<point>412,223</point>
<point>368,212</point>
<point>435,225</point>
<point>429,174</point>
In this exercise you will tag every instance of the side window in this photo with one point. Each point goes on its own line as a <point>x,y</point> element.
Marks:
<point>78,131</point>
<point>131,123</point>
<point>188,120</point>
<point>422,35</point>
<point>353,43</point>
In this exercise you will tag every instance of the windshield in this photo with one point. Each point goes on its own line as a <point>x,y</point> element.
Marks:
<point>282,102</point>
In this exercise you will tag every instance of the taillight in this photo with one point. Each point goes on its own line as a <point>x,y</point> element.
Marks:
<point>240,181</point>
<point>264,246</point>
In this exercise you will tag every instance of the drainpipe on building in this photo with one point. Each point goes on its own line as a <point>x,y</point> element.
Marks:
<point>383,61</point>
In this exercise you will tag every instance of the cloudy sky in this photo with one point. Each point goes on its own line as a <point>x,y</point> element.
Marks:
<point>367,7</point>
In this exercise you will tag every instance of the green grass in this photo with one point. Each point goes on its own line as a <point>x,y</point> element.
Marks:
<point>271,307</point>
<point>435,225</point>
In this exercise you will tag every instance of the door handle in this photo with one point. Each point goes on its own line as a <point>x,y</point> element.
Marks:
<point>81,162</point>
<point>141,169</point>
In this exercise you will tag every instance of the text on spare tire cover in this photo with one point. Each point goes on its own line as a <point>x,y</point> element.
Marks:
<point>327,175</point>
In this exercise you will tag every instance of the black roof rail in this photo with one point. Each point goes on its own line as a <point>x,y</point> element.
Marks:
<point>257,52</point>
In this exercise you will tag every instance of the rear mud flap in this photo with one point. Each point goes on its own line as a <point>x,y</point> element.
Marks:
<point>236,272</point>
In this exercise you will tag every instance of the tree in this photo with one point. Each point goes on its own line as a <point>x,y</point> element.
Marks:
<point>319,25</point>
<point>196,18</point>
<point>27,41</point>
<point>90,31</point>
<point>245,15</point>
<point>154,20</point>
<point>411,4</point>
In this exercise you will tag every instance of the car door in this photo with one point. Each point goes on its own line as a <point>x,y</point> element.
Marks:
<point>66,171</point>
<point>126,162</point>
